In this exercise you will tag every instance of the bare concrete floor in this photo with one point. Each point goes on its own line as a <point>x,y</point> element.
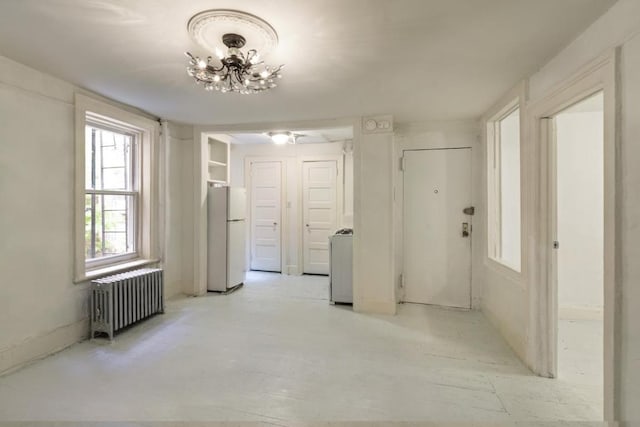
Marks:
<point>276,352</point>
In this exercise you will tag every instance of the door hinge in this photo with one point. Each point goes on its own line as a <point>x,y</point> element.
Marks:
<point>401,281</point>
<point>556,244</point>
<point>402,164</point>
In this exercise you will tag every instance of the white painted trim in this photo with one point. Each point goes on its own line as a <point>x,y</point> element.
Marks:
<point>598,75</point>
<point>39,347</point>
<point>288,125</point>
<point>148,217</point>
<point>339,159</point>
<point>112,269</point>
<point>514,98</point>
<point>284,213</point>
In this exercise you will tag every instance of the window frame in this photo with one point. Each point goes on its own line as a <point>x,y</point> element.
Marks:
<point>101,123</point>
<point>493,190</point>
<point>94,112</point>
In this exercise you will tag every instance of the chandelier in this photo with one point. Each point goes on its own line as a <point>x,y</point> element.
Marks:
<point>233,70</point>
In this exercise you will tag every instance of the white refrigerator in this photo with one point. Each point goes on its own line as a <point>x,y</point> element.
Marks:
<point>226,208</point>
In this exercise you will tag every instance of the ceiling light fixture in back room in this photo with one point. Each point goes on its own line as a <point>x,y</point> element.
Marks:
<point>239,72</point>
<point>282,137</point>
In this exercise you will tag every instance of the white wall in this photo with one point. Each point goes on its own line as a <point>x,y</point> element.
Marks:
<point>291,155</point>
<point>505,299</point>
<point>41,309</point>
<point>374,269</point>
<point>178,250</point>
<point>580,209</point>
<point>431,135</point>
<point>37,293</point>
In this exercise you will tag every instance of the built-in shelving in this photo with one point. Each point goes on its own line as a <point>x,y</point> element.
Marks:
<point>218,162</point>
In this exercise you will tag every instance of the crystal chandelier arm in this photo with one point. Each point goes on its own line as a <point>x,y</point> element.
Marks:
<point>212,69</point>
<point>239,76</point>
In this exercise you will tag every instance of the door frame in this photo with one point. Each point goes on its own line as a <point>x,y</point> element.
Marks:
<point>599,75</point>
<point>339,198</point>
<point>284,221</point>
<point>401,294</point>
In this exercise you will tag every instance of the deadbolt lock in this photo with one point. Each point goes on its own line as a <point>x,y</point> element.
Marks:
<point>465,229</point>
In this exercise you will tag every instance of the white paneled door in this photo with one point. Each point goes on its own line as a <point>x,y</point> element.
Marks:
<point>319,213</point>
<point>266,223</point>
<point>437,233</point>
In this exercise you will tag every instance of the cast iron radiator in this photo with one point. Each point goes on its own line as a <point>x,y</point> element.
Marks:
<point>123,299</point>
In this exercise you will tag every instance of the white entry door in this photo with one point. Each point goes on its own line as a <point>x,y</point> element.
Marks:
<point>266,192</point>
<point>437,250</point>
<point>319,214</point>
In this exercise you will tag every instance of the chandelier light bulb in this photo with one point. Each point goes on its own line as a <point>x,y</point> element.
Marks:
<point>219,53</point>
<point>216,78</point>
<point>201,64</point>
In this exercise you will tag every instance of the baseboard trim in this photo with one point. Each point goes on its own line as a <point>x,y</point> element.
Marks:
<point>375,307</point>
<point>36,348</point>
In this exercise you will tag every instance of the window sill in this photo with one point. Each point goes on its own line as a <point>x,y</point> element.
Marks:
<point>112,269</point>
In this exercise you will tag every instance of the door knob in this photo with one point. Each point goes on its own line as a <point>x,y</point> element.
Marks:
<point>275,223</point>
<point>465,229</point>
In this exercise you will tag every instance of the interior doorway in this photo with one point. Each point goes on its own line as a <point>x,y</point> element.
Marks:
<point>437,227</point>
<point>577,143</point>
<point>319,213</point>
<point>266,216</point>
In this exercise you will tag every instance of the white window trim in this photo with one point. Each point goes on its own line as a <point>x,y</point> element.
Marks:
<point>494,207</point>
<point>515,98</point>
<point>148,243</point>
<point>102,123</point>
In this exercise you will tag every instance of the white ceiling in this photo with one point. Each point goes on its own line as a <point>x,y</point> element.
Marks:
<point>415,59</point>
<point>311,136</point>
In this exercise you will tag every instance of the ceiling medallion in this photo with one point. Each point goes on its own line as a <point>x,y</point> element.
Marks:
<point>236,71</point>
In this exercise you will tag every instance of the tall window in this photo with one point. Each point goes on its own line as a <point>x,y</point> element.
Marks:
<point>117,187</point>
<point>111,194</point>
<point>504,232</point>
